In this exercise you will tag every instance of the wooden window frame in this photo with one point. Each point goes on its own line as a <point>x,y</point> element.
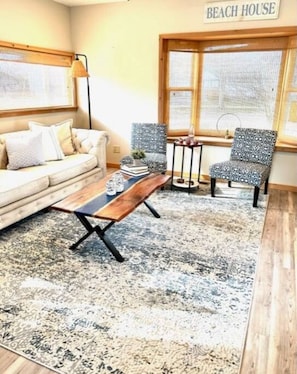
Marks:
<point>199,41</point>
<point>42,56</point>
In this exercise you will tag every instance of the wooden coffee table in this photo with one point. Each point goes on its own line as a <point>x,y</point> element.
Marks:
<point>92,201</point>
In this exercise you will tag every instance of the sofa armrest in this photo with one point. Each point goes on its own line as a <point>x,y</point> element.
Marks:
<point>92,142</point>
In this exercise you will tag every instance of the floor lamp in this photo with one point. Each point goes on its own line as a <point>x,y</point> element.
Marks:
<point>79,71</point>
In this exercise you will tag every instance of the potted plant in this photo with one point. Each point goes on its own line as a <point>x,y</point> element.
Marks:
<point>137,155</point>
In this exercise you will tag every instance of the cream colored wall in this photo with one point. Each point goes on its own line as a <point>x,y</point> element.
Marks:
<point>121,42</point>
<point>42,23</point>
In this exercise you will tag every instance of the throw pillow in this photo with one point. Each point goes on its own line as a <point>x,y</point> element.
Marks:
<point>23,151</point>
<point>63,131</point>
<point>50,143</point>
<point>64,134</point>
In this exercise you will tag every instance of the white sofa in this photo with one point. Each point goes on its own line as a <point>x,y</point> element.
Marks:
<point>26,190</point>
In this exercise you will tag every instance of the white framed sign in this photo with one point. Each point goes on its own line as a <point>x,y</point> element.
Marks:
<point>240,10</point>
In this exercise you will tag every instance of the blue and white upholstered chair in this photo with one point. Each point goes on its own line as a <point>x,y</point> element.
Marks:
<point>152,138</point>
<point>250,161</point>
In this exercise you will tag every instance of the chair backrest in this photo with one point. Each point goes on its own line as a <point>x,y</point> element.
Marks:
<point>253,145</point>
<point>151,137</point>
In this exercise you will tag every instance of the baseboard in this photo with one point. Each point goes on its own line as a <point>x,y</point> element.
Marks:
<point>282,187</point>
<point>113,166</point>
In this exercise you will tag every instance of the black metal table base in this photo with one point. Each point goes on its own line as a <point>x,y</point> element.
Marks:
<point>191,147</point>
<point>101,232</point>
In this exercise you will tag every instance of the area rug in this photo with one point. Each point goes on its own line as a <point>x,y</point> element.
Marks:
<point>178,304</point>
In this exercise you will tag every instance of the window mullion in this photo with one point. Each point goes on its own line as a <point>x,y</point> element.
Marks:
<point>288,107</point>
<point>195,81</point>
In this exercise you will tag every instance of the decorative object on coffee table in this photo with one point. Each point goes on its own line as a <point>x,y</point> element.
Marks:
<point>138,154</point>
<point>135,170</point>
<point>135,166</point>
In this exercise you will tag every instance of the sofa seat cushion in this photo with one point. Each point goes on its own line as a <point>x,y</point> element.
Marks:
<point>71,167</point>
<point>63,170</point>
<point>15,185</point>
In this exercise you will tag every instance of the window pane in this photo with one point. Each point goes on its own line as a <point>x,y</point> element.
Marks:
<point>180,110</point>
<point>290,121</point>
<point>294,80</point>
<point>243,84</point>
<point>24,85</point>
<point>180,69</point>
<point>288,130</point>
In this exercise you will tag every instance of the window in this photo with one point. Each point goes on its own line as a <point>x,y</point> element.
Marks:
<point>288,116</point>
<point>34,80</point>
<point>219,82</point>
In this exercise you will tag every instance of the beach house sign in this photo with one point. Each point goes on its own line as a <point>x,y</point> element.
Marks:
<point>240,10</point>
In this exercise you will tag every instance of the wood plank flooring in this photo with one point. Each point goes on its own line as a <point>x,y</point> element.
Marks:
<point>271,342</point>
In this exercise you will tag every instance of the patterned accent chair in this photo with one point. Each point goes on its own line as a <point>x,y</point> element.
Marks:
<point>152,138</point>
<point>250,161</point>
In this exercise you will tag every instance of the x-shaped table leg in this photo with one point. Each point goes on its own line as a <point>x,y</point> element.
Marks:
<point>101,234</point>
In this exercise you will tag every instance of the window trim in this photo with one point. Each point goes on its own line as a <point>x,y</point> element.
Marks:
<point>39,55</point>
<point>197,41</point>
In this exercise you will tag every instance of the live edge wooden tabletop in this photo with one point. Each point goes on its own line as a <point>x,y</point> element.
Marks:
<point>92,200</point>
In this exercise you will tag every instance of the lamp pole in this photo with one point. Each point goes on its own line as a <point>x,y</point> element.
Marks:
<point>88,86</point>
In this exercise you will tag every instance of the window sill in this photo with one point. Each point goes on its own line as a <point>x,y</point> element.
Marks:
<point>222,142</point>
<point>33,111</point>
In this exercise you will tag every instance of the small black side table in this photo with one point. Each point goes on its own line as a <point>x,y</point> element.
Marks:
<point>180,182</point>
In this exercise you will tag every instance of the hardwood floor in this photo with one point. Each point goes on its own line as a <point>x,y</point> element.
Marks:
<point>271,342</point>
<point>11,363</point>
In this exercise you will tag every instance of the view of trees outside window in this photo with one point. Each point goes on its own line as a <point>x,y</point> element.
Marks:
<point>181,67</point>
<point>35,80</point>
<point>25,85</point>
<point>290,112</point>
<point>244,84</point>
<point>290,124</point>
<point>219,91</point>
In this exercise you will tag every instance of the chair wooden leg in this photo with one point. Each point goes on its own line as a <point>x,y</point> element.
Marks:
<point>229,183</point>
<point>266,187</point>
<point>256,195</point>
<point>212,186</point>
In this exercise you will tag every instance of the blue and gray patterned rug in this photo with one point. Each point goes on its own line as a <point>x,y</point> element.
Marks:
<point>179,303</point>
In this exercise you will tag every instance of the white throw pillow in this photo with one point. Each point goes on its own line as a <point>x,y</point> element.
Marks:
<point>63,131</point>
<point>23,151</point>
<point>50,143</point>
